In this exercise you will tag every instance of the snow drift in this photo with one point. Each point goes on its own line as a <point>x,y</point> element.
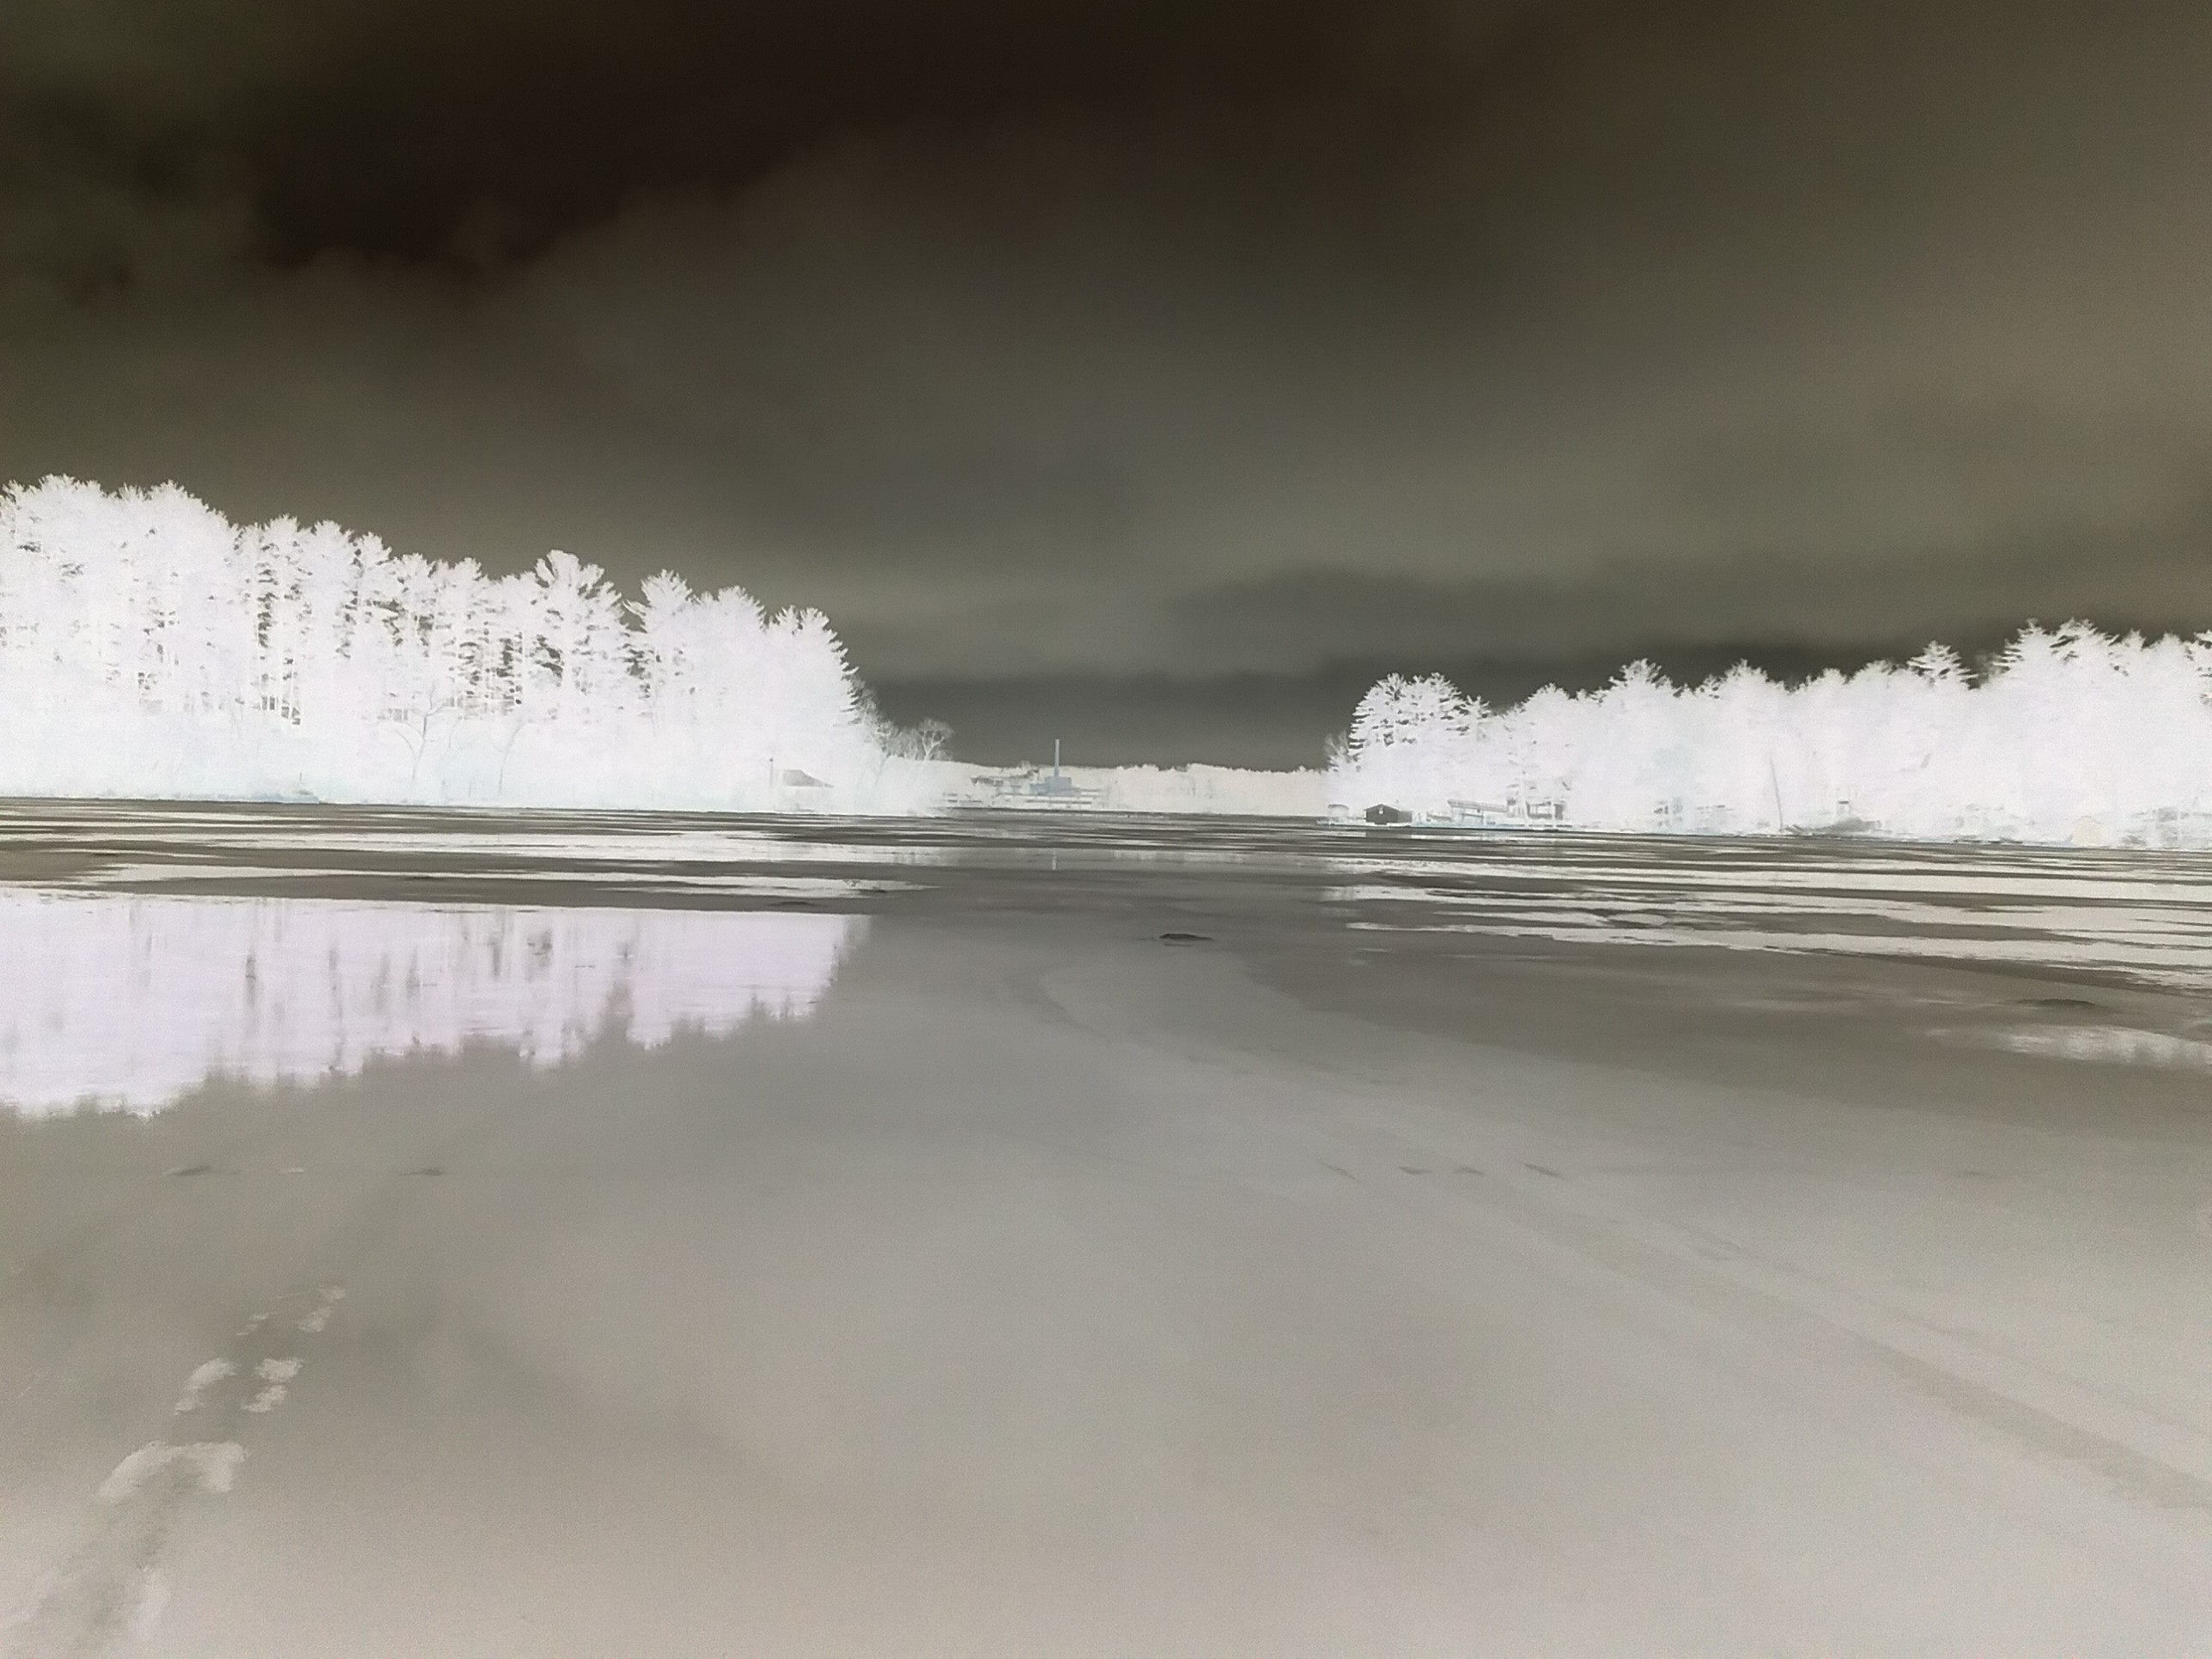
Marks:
<point>2068,735</point>
<point>149,648</point>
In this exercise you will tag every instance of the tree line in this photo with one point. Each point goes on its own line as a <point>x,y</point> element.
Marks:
<point>150,648</point>
<point>2066,734</point>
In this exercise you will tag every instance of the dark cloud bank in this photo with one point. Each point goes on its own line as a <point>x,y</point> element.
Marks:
<point>1156,373</point>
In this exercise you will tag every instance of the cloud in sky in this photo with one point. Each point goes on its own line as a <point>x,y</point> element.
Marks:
<point>1098,343</point>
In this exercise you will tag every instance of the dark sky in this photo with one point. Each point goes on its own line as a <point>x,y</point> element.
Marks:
<point>1155,372</point>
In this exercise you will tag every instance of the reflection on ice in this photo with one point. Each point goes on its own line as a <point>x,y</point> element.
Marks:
<point>133,1001</point>
<point>2117,1045</point>
<point>2146,917</point>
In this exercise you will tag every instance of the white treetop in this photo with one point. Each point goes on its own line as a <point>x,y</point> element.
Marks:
<point>150,648</point>
<point>2069,735</point>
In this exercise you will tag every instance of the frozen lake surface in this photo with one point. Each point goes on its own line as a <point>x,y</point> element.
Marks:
<point>1028,1234</point>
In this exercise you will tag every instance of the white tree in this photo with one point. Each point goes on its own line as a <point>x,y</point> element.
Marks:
<point>148,646</point>
<point>2073,734</point>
